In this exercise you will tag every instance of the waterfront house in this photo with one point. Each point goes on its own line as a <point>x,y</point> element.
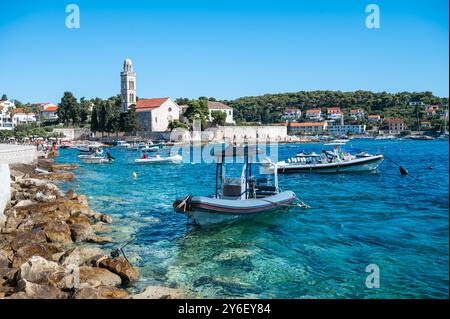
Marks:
<point>22,117</point>
<point>291,114</point>
<point>373,118</point>
<point>155,114</point>
<point>431,110</point>
<point>395,126</point>
<point>356,114</point>
<point>308,127</point>
<point>425,125</point>
<point>345,129</point>
<point>48,112</point>
<point>6,122</point>
<point>314,114</point>
<point>218,106</point>
<point>334,113</point>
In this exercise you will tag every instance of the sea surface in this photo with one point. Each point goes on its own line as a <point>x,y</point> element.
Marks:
<point>399,223</point>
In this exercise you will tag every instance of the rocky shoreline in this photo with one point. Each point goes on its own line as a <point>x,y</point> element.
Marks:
<point>49,247</point>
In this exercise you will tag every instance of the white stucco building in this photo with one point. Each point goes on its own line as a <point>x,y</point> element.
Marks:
<point>11,154</point>
<point>291,114</point>
<point>218,106</point>
<point>154,115</point>
<point>22,117</point>
<point>6,121</point>
<point>314,114</point>
<point>346,129</point>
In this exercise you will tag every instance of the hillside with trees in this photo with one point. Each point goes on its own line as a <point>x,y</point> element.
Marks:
<point>268,108</point>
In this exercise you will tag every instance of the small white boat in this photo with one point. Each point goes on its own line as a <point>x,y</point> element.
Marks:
<point>420,137</point>
<point>148,148</point>
<point>123,144</point>
<point>157,159</point>
<point>92,159</point>
<point>385,137</point>
<point>89,149</point>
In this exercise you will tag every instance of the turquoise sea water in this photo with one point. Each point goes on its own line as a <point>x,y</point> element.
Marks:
<point>400,223</point>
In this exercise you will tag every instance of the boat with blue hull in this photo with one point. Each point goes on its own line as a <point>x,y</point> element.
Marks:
<point>249,195</point>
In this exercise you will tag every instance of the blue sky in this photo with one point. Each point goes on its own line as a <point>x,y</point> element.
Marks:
<point>224,49</point>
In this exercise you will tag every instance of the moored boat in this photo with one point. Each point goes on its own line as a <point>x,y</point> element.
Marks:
<point>334,161</point>
<point>237,198</point>
<point>92,159</point>
<point>157,159</point>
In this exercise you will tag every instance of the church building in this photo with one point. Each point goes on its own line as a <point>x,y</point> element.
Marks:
<point>153,114</point>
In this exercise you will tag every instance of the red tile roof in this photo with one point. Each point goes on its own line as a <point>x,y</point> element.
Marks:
<point>19,110</point>
<point>373,116</point>
<point>143,105</point>
<point>51,108</point>
<point>333,109</point>
<point>313,111</point>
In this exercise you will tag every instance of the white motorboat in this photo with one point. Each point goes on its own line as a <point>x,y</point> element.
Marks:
<point>157,159</point>
<point>148,148</point>
<point>90,149</point>
<point>385,137</point>
<point>420,137</point>
<point>123,144</point>
<point>236,198</point>
<point>93,159</point>
<point>334,161</point>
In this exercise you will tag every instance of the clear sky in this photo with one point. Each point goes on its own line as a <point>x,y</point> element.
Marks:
<point>222,48</point>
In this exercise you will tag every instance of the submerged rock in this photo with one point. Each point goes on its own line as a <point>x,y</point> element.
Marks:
<point>100,240</point>
<point>63,167</point>
<point>158,292</point>
<point>101,292</point>
<point>121,267</point>
<point>79,218</point>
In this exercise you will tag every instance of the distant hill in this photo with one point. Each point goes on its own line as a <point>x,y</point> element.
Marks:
<point>268,108</point>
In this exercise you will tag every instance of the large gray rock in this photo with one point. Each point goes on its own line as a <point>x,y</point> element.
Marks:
<point>36,236</point>
<point>95,277</point>
<point>36,291</point>
<point>121,267</point>
<point>27,251</point>
<point>4,263</point>
<point>24,203</point>
<point>57,231</point>
<point>79,255</point>
<point>40,271</point>
<point>82,232</point>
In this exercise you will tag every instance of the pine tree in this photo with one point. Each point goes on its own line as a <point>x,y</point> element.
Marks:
<point>94,120</point>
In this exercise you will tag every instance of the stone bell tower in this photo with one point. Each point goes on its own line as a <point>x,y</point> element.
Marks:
<point>128,85</point>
